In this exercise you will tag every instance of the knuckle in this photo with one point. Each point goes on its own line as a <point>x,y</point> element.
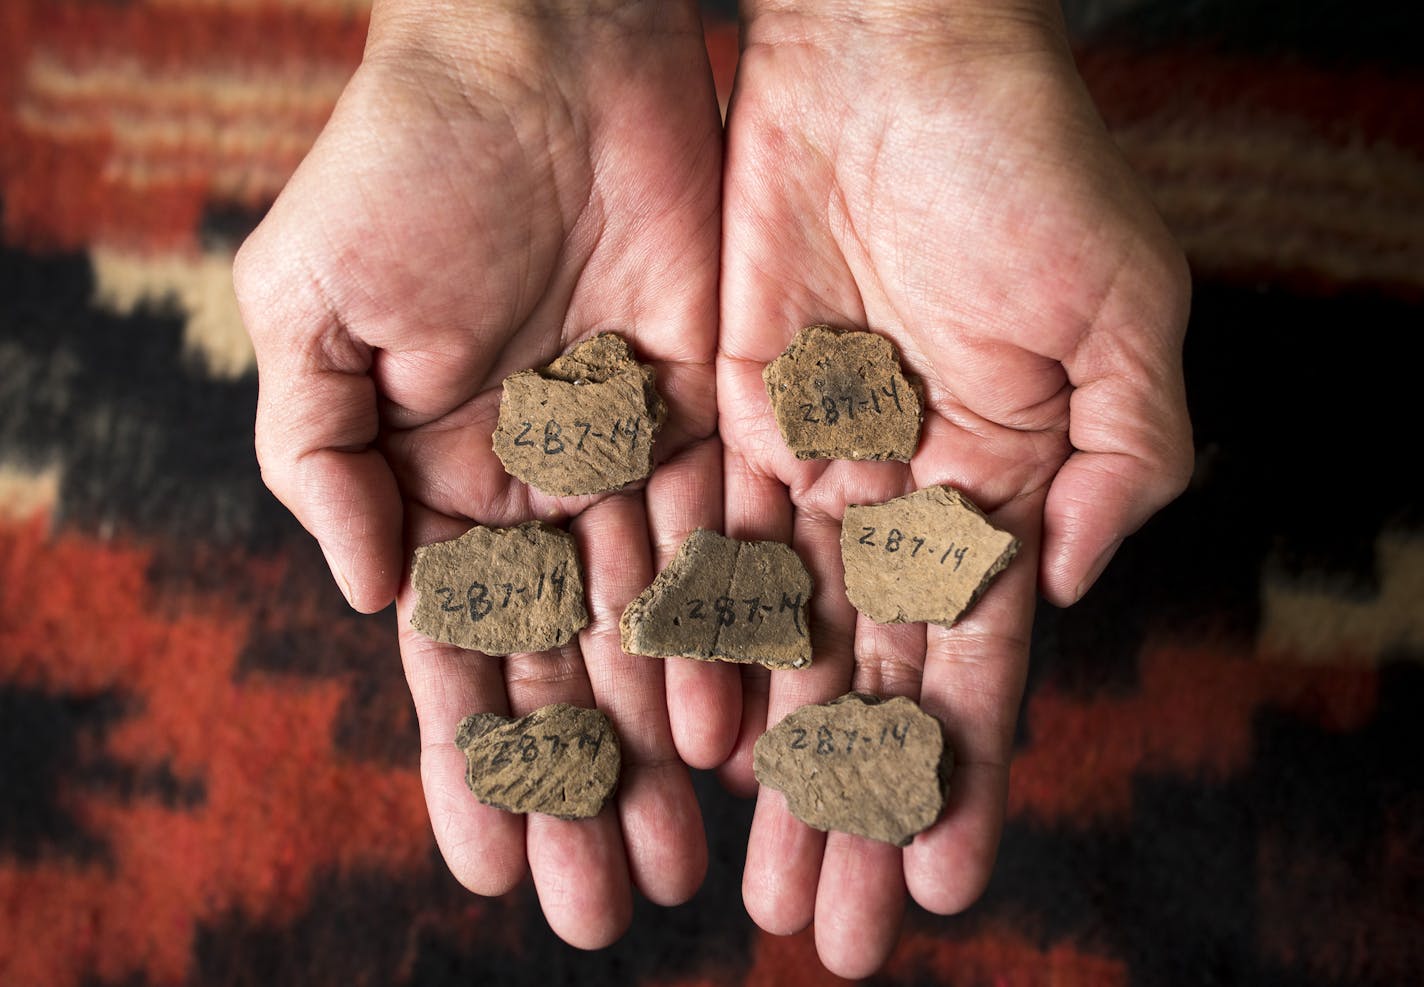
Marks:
<point>1176,469</point>
<point>276,461</point>
<point>887,674</point>
<point>1169,461</point>
<point>1169,279</point>
<point>252,276</point>
<point>538,671</point>
<point>971,644</point>
<point>276,291</point>
<point>276,476</point>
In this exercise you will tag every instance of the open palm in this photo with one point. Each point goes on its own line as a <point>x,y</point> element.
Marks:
<point>475,206</point>
<point>965,201</point>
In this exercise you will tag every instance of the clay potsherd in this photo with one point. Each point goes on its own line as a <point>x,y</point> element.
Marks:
<point>724,600</point>
<point>859,765</point>
<point>500,590</point>
<point>582,425</point>
<point>927,556</point>
<point>842,395</point>
<point>560,760</point>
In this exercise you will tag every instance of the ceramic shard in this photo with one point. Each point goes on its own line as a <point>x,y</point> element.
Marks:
<point>560,760</point>
<point>500,590</point>
<point>842,395</point>
<point>926,556</point>
<point>582,425</point>
<point>859,764</point>
<point>724,600</point>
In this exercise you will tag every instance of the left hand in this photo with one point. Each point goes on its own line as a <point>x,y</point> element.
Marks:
<point>939,176</point>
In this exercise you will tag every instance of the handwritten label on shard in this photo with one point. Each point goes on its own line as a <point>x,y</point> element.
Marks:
<point>859,765</point>
<point>560,760</point>
<point>500,590</point>
<point>724,600</point>
<point>841,395</point>
<point>582,425</point>
<point>927,556</point>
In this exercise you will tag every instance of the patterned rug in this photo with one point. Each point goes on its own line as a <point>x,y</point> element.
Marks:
<point>208,764</point>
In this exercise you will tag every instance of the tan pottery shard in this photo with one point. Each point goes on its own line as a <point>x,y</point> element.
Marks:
<point>560,760</point>
<point>926,556</point>
<point>859,764</point>
<point>582,425</point>
<point>500,590</point>
<point>724,600</point>
<point>841,395</point>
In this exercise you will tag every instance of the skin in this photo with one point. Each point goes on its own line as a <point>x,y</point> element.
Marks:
<point>502,179</point>
<point>936,173</point>
<point>497,183</point>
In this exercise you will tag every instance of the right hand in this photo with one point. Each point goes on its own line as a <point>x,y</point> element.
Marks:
<point>492,187</point>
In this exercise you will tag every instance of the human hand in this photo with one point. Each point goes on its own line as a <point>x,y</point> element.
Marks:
<point>936,172</point>
<point>496,183</point>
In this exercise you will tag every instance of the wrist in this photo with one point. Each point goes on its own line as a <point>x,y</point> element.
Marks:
<point>965,25</point>
<point>521,31</point>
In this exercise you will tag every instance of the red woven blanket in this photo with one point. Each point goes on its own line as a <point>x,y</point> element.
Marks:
<point>208,764</point>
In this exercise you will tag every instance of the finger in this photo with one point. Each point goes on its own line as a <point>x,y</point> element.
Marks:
<point>579,867</point>
<point>817,541</point>
<point>784,854</point>
<point>998,380</point>
<point>988,463</point>
<point>860,896</point>
<point>661,822</point>
<point>689,389</point>
<point>483,846</point>
<point>453,463</point>
<point>973,682</point>
<point>757,508</point>
<point>889,658</point>
<point>1096,501</point>
<point>704,699</point>
<point>735,772</point>
<point>782,867</point>
<point>316,423</point>
<point>581,877</point>
<point>860,903</point>
<point>749,428</point>
<point>1132,437</point>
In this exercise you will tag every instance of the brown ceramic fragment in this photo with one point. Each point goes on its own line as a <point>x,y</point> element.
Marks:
<point>582,425</point>
<point>841,395</point>
<point>560,760</point>
<point>926,556</point>
<point>500,590</point>
<point>725,600</point>
<point>859,764</point>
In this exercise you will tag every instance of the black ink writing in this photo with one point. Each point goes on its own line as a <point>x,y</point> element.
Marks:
<point>525,748</point>
<point>892,735</point>
<point>724,611</point>
<point>557,438</point>
<point>847,404</point>
<point>481,598</point>
<point>793,604</point>
<point>895,538</point>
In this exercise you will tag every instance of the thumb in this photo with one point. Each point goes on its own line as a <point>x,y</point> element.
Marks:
<point>1132,444</point>
<point>317,422</point>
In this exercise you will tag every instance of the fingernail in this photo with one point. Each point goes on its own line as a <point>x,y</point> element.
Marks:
<point>342,583</point>
<point>1096,570</point>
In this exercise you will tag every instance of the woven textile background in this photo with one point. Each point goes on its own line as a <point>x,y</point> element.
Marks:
<point>208,764</point>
